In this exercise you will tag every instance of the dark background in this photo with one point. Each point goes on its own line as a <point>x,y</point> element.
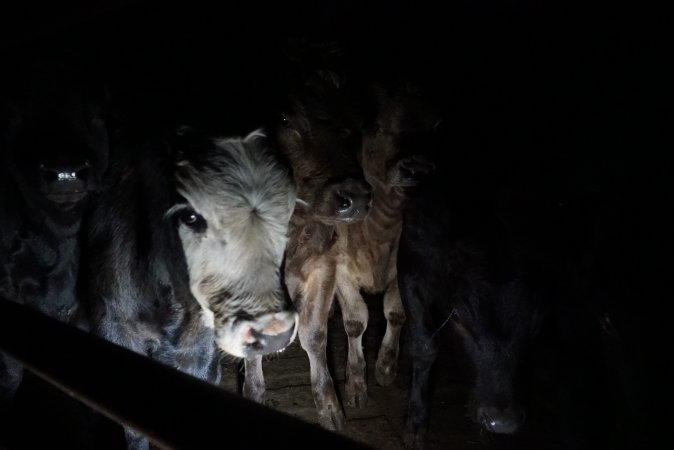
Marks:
<point>569,102</point>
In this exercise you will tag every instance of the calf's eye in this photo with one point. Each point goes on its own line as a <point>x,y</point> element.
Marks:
<point>193,220</point>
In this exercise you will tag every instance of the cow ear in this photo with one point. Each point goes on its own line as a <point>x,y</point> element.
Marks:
<point>461,329</point>
<point>332,77</point>
<point>255,135</point>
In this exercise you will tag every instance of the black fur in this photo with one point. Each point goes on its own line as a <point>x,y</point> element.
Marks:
<point>55,122</point>
<point>461,274</point>
<point>137,279</point>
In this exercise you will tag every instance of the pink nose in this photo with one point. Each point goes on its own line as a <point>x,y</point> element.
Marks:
<point>261,335</point>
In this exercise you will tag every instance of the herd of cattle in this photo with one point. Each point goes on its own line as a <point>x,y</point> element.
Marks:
<point>184,245</point>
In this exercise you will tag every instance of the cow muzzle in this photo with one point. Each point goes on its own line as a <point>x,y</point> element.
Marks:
<point>500,420</point>
<point>66,183</point>
<point>262,335</point>
<point>352,200</point>
<point>411,171</point>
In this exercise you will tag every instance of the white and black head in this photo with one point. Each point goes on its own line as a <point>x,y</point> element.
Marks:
<point>232,219</point>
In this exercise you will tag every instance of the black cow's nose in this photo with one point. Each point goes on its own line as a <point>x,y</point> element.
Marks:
<point>66,173</point>
<point>501,420</point>
<point>415,166</point>
<point>66,182</point>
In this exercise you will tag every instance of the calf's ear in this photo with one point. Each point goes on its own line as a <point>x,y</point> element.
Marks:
<point>333,77</point>
<point>257,134</point>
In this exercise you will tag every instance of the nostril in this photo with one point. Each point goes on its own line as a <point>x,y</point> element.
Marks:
<point>344,201</point>
<point>65,173</point>
<point>257,346</point>
<point>500,421</point>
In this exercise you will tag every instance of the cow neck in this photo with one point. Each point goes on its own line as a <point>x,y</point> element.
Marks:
<point>49,221</point>
<point>309,236</point>
<point>385,218</point>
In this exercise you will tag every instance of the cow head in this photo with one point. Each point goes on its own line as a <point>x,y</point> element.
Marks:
<point>232,220</point>
<point>56,140</point>
<point>319,131</point>
<point>497,329</point>
<point>400,137</point>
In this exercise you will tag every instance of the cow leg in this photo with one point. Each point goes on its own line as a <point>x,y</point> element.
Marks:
<point>253,384</point>
<point>135,440</point>
<point>355,316</point>
<point>11,373</point>
<point>318,294</point>
<point>387,360</point>
<point>112,329</point>
<point>424,352</point>
<point>418,412</point>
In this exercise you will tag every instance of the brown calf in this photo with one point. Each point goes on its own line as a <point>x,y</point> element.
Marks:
<point>332,251</point>
<point>319,131</point>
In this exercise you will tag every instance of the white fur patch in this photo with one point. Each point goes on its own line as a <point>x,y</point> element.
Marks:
<point>246,198</point>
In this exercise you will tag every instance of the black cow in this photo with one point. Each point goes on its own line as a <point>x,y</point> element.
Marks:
<point>53,154</point>
<point>460,272</point>
<point>596,241</point>
<point>184,252</point>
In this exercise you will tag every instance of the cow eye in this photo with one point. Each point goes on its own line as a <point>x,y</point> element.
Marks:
<point>283,120</point>
<point>193,220</point>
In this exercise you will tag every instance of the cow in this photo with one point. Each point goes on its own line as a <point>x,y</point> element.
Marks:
<point>332,257</point>
<point>462,275</point>
<point>54,152</point>
<point>318,129</point>
<point>185,249</point>
<point>399,123</point>
<point>581,228</point>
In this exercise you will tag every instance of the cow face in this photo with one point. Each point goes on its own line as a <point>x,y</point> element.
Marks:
<point>319,131</point>
<point>56,144</point>
<point>233,225</point>
<point>57,163</point>
<point>401,137</point>
<point>497,330</point>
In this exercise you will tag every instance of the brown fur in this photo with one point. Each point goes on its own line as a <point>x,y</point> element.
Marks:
<point>327,257</point>
<point>325,260</point>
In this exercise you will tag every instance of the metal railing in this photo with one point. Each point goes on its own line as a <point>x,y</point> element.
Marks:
<point>173,409</point>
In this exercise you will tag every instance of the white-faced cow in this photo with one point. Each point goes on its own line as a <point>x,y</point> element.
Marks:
<point>185,253</point>
<point>54,151</point>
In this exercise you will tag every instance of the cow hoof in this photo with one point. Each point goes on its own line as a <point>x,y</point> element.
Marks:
<point>256,395</point>
<point>269,402</point>
<point>385,373</point>
<point>331,419</point>
<point>356,394</point>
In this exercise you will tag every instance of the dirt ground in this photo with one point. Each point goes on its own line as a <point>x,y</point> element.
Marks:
<point>381,423</point>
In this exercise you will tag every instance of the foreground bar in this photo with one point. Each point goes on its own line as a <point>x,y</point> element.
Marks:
<point>174,410</point>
